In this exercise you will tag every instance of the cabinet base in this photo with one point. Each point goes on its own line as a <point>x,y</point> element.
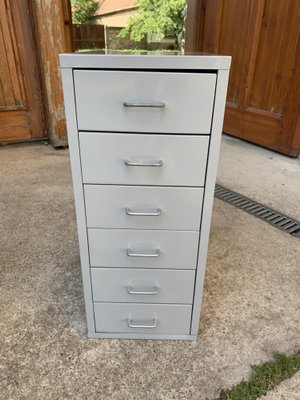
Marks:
<point>99,335</point>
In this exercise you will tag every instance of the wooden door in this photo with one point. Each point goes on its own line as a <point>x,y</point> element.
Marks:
<point>21,103</point>
<point>262,36</point>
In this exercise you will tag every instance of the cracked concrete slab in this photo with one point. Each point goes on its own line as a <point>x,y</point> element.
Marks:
<point>251,304</point>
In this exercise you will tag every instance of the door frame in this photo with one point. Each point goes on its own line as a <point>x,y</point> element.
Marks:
<point>23,38</point>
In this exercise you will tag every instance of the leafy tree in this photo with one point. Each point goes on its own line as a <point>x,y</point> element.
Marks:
<point>158,17</point>
<point>83,10</point>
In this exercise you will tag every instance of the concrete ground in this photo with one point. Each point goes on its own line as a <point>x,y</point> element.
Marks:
<point>286,390</point>
<point>251,302</point>
<point>261,174</point>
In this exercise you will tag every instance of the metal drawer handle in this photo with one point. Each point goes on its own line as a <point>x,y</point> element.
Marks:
<point>155,163</point>
<point>144,105</point>
<point>142,324</point>
<point>155,213</point>
<point>132,253</point>
<point>153,291</point>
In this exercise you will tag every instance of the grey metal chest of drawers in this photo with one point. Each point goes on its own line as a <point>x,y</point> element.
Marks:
<point>144,135</point>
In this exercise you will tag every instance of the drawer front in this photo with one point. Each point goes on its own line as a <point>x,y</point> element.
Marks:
<point>143,207</point>
<point>153,159</point>
<point>156,101</point>
<point>143,249</point>
<point>126,285</point>
<point>143,318</point>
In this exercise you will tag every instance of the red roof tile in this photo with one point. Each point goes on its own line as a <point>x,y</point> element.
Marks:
<point>110,6</point>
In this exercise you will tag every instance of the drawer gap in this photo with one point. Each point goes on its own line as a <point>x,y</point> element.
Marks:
<point>175,71</point>
<point>138,133</point>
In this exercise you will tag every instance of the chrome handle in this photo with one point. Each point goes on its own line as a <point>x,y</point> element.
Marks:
<point>142,324</point>
<point>132,253</point>
<point>131,290</point>
<point>155,213</point>
<point>156,163</point>
<point>144,105</point>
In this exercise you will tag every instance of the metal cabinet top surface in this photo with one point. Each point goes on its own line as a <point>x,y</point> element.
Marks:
<point>145,61</point>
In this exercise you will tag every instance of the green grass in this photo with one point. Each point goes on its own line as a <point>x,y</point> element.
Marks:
<point>264,378</point>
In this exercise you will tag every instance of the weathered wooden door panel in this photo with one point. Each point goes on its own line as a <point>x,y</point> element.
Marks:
<point>262,36</point>
<point>21,105</point>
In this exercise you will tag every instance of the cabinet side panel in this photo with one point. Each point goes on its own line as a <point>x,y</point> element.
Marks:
<point>220,99</point>
<point>70,110</point>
